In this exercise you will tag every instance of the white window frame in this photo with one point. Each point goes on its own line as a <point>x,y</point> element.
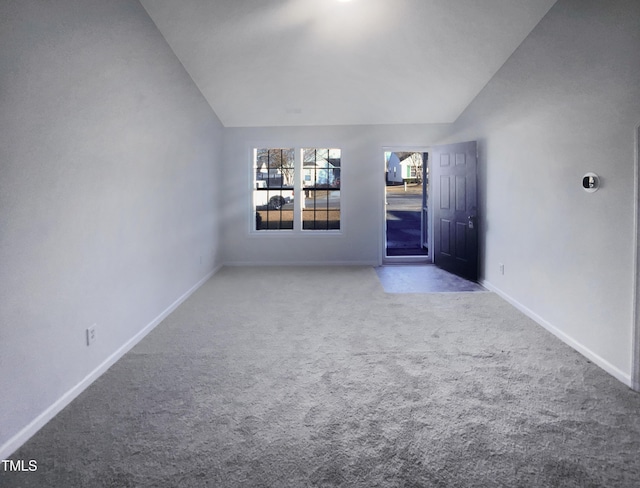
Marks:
<point>298,188</point>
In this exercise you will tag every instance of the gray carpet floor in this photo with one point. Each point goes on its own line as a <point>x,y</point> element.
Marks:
<point>294,377</point>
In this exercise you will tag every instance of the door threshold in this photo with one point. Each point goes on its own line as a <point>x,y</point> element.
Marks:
<point>419,259</point>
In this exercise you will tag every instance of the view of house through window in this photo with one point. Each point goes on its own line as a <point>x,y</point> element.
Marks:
<point>321,184</point>
<point>273,193</point>
<point>277,187</point>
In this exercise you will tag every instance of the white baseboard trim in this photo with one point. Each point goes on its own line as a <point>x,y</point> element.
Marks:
<point>40,421</point>
<point>593,357</point>
<point>300,263</point>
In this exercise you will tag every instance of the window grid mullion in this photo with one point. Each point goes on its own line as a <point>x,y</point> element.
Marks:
<point>299,171</point>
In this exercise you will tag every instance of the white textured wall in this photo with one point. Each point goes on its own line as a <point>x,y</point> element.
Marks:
<point>108,157</point>
<point>362,183</point>
<point>566,103</point>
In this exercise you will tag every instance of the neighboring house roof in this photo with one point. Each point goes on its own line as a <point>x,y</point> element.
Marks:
<point>411,161</point>
<point>318,163</point>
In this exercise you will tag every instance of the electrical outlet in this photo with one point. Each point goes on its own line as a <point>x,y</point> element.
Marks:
<point>91,334</point>
<point>501,268</point>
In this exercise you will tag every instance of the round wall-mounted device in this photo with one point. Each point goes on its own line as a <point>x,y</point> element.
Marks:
<point>590,182</point>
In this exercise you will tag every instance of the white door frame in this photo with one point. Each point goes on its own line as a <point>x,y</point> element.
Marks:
<point>635,336</point>
<point>382,253</point>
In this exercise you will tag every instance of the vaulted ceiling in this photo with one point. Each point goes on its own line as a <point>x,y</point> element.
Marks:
<point>333,62</point>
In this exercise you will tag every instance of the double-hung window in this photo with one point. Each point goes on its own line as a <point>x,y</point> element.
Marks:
<point>296,189</point>
<point>321,184</point>
<point>273,194</point>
